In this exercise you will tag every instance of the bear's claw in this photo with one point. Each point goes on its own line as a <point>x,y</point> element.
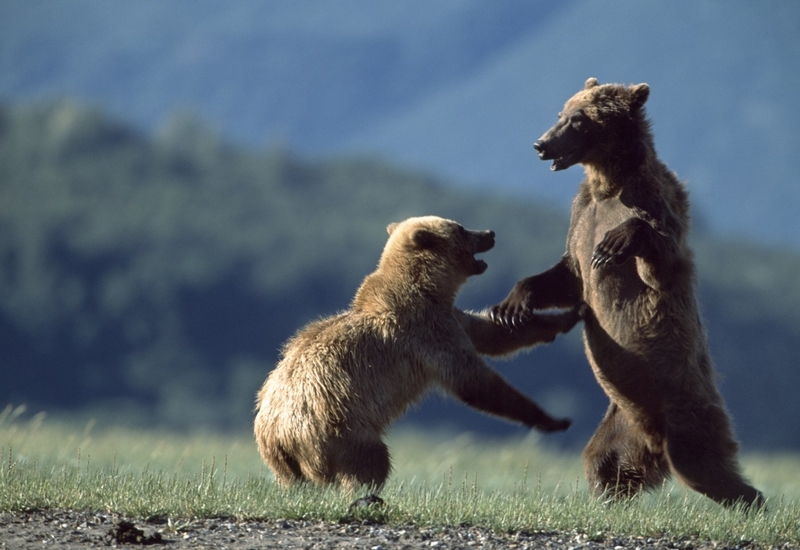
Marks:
<point>622,242</point>
<point>509,316</point>
<point>600,258</point>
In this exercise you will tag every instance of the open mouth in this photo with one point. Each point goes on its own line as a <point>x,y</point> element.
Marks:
<point>484,243</point>
<point>478,266</point>
<point>564,161</point>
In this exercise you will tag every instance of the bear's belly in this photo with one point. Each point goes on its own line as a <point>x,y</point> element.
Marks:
<point>634,360</point>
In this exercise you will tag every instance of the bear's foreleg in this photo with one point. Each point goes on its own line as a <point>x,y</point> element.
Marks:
<point>495,340</point>
<point>628,239</point>
<point>618,462</point>
<point>482,388</point>
<point>558,287</point>
<point>663,259</point>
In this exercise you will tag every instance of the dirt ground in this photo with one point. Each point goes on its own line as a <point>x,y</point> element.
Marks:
<point>71,530</point>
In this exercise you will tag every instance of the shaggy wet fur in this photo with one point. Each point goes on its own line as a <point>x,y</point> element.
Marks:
<point>343,380</point>
<point>628,259</point>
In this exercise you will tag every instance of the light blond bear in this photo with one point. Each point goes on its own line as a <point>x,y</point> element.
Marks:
<point>343,380</point>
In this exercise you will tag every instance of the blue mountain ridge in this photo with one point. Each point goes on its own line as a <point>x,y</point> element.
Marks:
<point>458,88</point>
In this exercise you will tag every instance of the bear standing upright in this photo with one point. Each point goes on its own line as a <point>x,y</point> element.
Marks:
<point>342,380</point>
<point>628,259</point>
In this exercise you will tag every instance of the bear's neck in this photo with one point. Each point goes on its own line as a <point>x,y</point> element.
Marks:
<point>380,294</point>
<point>620,168</point>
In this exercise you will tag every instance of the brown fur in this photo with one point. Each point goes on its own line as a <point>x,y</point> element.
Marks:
<point>342,380</point>
<point>628,259</point>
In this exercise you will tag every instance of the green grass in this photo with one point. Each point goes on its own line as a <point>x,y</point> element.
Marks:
<point>439,479</point>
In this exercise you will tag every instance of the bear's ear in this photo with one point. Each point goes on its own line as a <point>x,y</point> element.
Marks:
<point>391,227</point>
<point>590,83</point>
<point>425,239</point>
<point>639,95</point>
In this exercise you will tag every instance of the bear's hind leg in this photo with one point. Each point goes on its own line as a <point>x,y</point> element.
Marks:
<point>703,456</point>
<point>617,460</point>
<point>284,467</point>
<point>361,462</point>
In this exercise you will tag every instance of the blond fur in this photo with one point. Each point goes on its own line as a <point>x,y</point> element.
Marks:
<point>343,380</point>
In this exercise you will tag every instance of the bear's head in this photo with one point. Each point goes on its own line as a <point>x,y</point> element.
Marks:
<point>436,251</point>
<point>599,123</point>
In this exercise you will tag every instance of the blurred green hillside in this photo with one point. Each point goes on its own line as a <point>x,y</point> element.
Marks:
<point>152,279</point>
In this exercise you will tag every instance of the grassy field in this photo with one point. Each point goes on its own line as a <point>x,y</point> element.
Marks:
<point>439,479</point>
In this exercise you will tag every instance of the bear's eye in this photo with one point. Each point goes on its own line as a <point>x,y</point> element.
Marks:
<point>578,119</point>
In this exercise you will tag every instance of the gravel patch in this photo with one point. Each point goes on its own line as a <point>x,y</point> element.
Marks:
<point>69,530</point>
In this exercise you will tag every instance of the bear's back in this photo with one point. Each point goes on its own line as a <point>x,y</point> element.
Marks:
<point>350,368</point>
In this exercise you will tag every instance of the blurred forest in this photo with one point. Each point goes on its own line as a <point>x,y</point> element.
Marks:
<point>151,279</point>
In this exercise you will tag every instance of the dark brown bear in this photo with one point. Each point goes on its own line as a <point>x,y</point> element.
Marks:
<point>628,259</point>
<point>342,380</point>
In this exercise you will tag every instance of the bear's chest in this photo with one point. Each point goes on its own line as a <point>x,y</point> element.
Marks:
<point>616,292</point>
<point>589,228</point>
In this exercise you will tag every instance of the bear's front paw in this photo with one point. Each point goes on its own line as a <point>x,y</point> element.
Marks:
<point>514,310</point>
<point>554,425</point>
<point>620,243</point>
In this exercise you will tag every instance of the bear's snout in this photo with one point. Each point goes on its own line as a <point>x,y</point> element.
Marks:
<point>567,141</point>
<point>544,146</point>
<point>562,146</point>
<point>484,241</point>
